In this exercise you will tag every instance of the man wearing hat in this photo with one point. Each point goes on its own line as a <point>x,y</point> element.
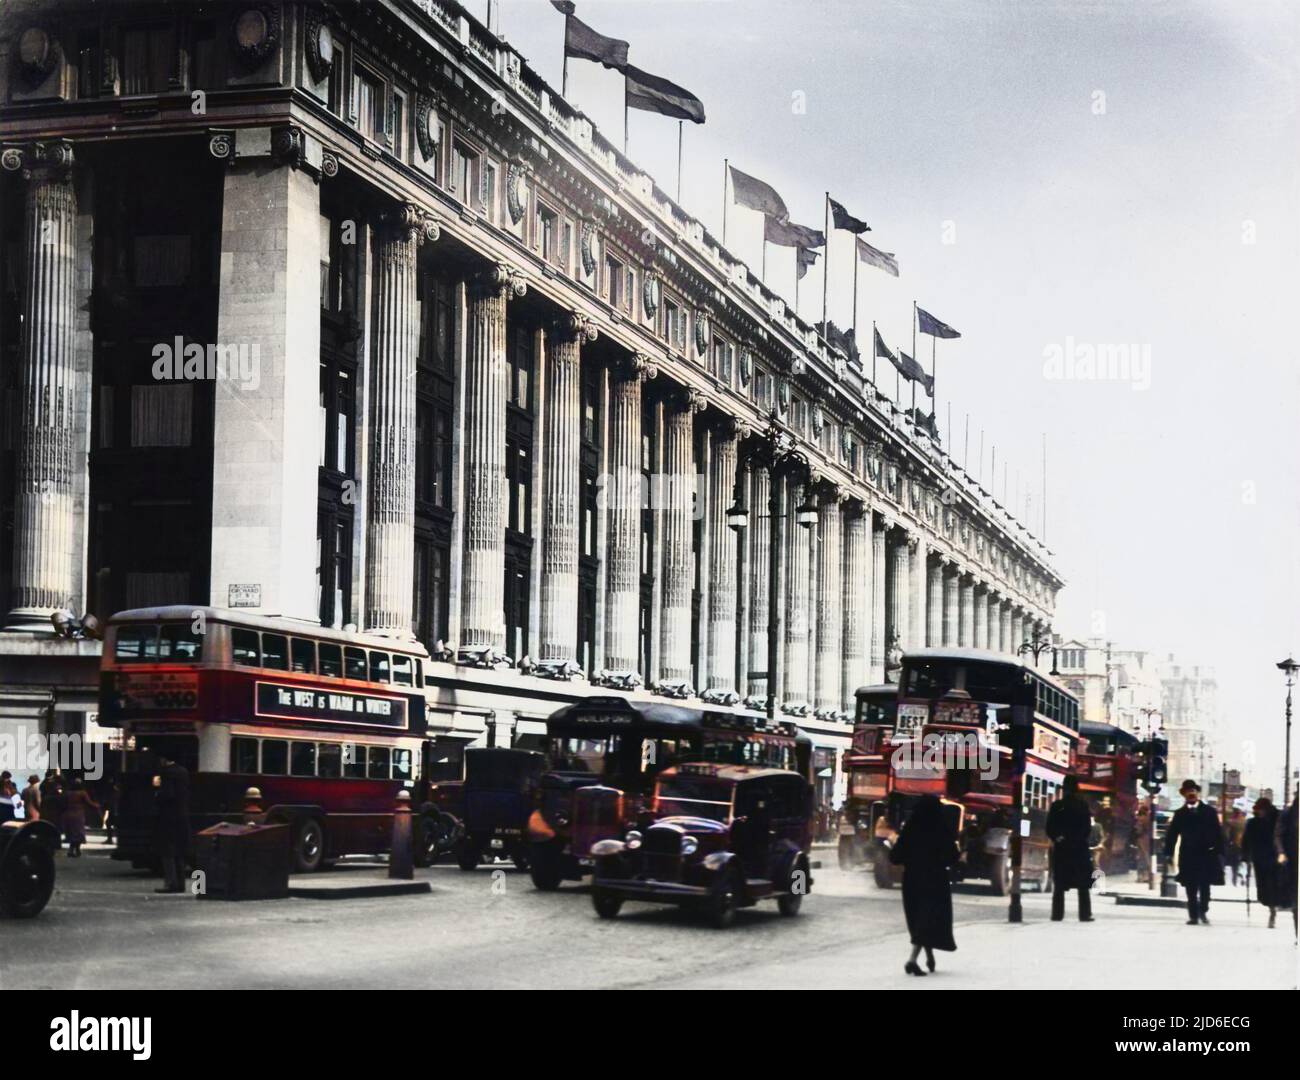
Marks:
<point>1200,862</point>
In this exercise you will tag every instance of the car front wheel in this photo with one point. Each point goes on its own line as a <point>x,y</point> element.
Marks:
<point>308,846</point>
<point>28,881</point>
<point>724,900</point>
<point>606,904</point>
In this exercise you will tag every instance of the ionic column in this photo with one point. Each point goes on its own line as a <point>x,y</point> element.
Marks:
<point>934,622</point>
<point>919,589</point>
<point>623,501</point>
<point>878,561</point>
<point>992,617</point>
<point>899,586</point>
<point>1017,629</point>
<point>1004,628</point>
<point>966,612</point>
<point>483,573</point>
<point>856,582</point>
<point>760,533</point>
<point>979,599</point>
<point>830,604</point>
<point>562,498</point>
<point>798,545</point>
<point>720,669</point>
<point>390,506</point>
<point>951,612</point>
<point>47,547</point>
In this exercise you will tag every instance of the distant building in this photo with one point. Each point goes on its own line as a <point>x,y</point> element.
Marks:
<point>1136,690</point>
<point>1083,666</point>
<point>1191,722</point>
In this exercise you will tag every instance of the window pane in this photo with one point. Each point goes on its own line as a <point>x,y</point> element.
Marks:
<point>377,764</point>
<point>136,642</point>
<point>304,656</point>
<point>402,670</point>
<point>329,760</point>
<point>331,660</point>
<point>275,652</point>
<point>401,764</point>
<point>244,647</point>
<point>379,667</point>
<point>178,641</point>
<point>275,757</point>
<point>243,756</point>
<point>303,759</point>
<point>354,662</point>
<point>354,761</point>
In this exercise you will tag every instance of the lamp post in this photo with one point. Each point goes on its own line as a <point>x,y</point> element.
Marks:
<point>1152,790</point>
<point>1289,667</point>
<point>738,521</point>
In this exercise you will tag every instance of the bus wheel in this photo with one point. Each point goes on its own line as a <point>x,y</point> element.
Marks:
<point>1001,875</point>
<point>544,867</point>
<point>607,906</point>
<point>880,868</point>
<point>27,881</point>
<point>308,846</point>
<point>466,855</point>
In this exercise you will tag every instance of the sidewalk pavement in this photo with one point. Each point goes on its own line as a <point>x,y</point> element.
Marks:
<point>1125,948</point>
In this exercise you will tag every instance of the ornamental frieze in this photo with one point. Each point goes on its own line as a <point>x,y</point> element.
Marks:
<point>587,248</point>
<point>516,191</point>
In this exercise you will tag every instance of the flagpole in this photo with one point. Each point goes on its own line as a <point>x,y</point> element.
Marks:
<point>826,266</point>
<point>625,114</point>
<point>726,169</point>
<point>856,260</point>
<point>680,124</point>
<point>763,272</point>
<point>564,76</point>
<point>873,359</point>
<point>965,450</point>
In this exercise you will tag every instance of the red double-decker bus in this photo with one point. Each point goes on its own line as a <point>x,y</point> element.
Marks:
<point>328,726</point>
<point>1109,768</point>
<point>867,767</point>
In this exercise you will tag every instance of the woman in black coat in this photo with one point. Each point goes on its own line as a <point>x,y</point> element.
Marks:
<point>926,850</point>
<point>1258,850</point>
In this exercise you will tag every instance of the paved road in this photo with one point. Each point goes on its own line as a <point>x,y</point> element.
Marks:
<point>105,928</point>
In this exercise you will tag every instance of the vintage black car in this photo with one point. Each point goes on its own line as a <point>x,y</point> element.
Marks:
<point>491,804</point>
<point>26,867</point>
<point>724,837</point>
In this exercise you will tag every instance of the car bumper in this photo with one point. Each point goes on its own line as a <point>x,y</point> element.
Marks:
<point>648,889</point>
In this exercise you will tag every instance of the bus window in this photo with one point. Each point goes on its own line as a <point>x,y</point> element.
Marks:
<point>377,765</point>
<point>243,756</point>
<point>354,761</point>
<point>302,759</point>
<point>275,757</point>
<point>401,764</point>
<point>331,660</point>
<point>329,760</point>
<point>402,670</point>
<point>178,641</point>
<point>136,643</point>
<point>304,655</point>
<point>245,649</point>
<point>275,652</point>
<point>354,663</point>
<point>379,667</point>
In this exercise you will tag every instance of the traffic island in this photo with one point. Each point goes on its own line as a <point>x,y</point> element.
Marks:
<point>351,887</point>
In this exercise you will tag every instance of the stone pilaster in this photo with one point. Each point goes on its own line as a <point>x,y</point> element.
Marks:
<point>980,617</point>
<point>676,520</point>
<point>798,549</point>
<point>830,603</point>
<point>1004,628</point>
<point>951,606</point>
<point>720,664</point>
<point>934,612</point>
<point>562,499</point>
<point>919,590</point>
<point>390,502</point>
<point>966,612</point>
<point>900,596</point>
<point>486,373</point>
<point>991,600</point>
<point>623,515</point>
<point>760,535</point>
<point>857,602</point>
<point>879,642</point>
<point>1017,629</point>
<point>47,548</point>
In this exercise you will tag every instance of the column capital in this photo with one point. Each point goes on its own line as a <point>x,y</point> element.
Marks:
<point>637,367</point>
<point>830,493</point>
<point>575,326</point>
<point>853,506</point>
<point>502,280</point>
<point>727,426</point>
<point>687,399</point>
<point>27,159</point>
<point>409,222</point>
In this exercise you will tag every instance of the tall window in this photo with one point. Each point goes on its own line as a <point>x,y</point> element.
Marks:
<point>548,233</point>
<point>613,281</point>
<point>368,104</point>
<point>464,173</point>
<point>675,324</point>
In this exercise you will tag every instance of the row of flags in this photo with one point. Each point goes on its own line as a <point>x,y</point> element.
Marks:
<point>652,93</point>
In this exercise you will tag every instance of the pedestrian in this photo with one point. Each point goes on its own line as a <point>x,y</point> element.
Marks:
<point>1234,837</point>
<point>1195,829</point>
<point>52,802</point>
<point>32,798</point>
<point>73,818</point>
<point>1142,840</point>
<point>926,849</point>
<point>172,798</point>
<point>1284,843</point>
<point>1069,827</point>
<point>1259,852</point>
<point>9,801</point>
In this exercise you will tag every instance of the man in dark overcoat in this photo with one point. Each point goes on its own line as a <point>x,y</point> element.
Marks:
<point>172,798</point>
<point>1195,829</point>
<point>1069,827</point>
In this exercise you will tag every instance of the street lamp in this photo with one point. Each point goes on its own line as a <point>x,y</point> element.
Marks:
<point>738,517</point>
<point>805,514</point>
<point>1038,645</point>
<point>1289,667</point>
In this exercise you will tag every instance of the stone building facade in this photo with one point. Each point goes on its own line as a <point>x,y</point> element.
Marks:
<point>453,367</point>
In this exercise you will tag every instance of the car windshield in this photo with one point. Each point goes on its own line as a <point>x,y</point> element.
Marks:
<point>694,796</point>
<point>595,756</point>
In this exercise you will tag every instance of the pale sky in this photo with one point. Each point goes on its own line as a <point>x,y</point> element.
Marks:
<point>1108,173</point>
